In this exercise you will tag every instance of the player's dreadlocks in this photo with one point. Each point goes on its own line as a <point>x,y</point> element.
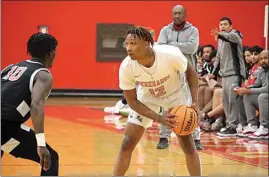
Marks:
<point>39,45</point>
<point>142,33</point>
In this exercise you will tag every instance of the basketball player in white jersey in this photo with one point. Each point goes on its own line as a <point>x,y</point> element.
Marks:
<point>156,69</point>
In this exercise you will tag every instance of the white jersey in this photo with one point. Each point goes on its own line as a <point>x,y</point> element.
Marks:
<point>163,84</point>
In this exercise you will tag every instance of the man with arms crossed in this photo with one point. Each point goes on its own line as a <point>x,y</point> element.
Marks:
<point>156,69</point>
<point>185,36</point>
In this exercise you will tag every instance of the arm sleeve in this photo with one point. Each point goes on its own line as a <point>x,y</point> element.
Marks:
<point>162,39</point>
<point>126,77</point>
<point>260,90</point>
<point>191,46</point>
<point>257,83</point>
<point>229,37</point>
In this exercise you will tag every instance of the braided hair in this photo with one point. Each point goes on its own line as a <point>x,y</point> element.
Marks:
<point>39,45</point>
<point>141,33</point>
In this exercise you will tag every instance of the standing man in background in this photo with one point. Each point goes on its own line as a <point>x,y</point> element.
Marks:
<point>233,71</point>
<point>185,36</point>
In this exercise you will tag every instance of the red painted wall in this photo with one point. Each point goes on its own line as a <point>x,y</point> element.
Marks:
<point>74,25</point>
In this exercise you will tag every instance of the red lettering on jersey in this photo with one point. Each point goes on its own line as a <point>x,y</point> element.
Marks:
<point>158,91</point>
<point>158,83</point>
<point>154,83</point>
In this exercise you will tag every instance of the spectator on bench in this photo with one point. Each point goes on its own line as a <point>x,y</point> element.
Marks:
<point>248,59</point>
<point>214,120</point>
<point>256,97</point>
<point>255,52</point>
<point>255,69</point>
<point>207,95</point>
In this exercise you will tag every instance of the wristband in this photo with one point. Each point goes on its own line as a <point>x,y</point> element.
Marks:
<point>40,139</point>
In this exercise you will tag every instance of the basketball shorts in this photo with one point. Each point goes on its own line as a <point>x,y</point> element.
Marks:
<point>19,141</point>
<point>143,121</point>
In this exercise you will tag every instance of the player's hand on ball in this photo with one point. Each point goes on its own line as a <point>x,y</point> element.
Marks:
<point>44,155</point>
<point>168,119</point>
<point>195,106</point>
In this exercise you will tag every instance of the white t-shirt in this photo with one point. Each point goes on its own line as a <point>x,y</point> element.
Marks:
<point>161,84</point>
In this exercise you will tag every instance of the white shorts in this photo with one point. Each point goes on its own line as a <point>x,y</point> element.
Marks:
<point>143,121</point>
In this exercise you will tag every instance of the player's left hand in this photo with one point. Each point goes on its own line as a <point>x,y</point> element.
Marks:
<point>195,106</point>
<point>45,158</point>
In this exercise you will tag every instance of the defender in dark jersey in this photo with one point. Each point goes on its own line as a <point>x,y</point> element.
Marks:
<point>25,87</point>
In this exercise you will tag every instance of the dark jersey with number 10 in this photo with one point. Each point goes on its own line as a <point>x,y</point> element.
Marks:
<point>17,82</point>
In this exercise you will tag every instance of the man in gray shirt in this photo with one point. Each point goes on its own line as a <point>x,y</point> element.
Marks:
<point>232,67</point>
<point>256,97</point>
<point>185,36</point>
<point>181,34</point>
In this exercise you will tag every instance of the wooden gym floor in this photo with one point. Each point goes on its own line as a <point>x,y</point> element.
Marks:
<point>88,140</point>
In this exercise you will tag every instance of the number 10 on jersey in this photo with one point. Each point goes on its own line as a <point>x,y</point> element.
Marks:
<point>15,73</point>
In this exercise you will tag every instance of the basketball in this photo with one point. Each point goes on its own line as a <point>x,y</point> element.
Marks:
<point>187,120</point>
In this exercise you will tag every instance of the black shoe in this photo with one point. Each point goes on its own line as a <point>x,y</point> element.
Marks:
<point>163,143</point>
<point>198,145</point>
<point>228,132</point>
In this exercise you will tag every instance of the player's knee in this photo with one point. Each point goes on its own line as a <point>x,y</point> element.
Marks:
<point>188,145</point>
<point>127,144</point>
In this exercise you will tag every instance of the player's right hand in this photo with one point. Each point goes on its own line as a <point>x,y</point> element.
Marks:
<point>44,155</point>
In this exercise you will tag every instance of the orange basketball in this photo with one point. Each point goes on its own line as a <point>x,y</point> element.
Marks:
<point>187,120</point>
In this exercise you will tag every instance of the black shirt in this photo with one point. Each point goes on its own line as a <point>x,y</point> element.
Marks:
<point>209,69</point>
<point>17,83</point>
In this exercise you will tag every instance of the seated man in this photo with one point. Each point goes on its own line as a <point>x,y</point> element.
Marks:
<point>255,52</point>
<point>208,74</point>
<point>257,98</point>
<point>215,119</point>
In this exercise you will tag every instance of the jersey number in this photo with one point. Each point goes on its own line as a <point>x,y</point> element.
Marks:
<point>158,92</point>
<point>15,73</point>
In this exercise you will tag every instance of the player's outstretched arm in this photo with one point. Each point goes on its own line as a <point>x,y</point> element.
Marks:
<point>143,110</point>
<point>40,91</point>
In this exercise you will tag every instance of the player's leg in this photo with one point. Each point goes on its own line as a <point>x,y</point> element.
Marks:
<point>134,130</point>
<point>23,145</point>
<point>191,155</point>
<point>6,132</point>
<point>132,135</point>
